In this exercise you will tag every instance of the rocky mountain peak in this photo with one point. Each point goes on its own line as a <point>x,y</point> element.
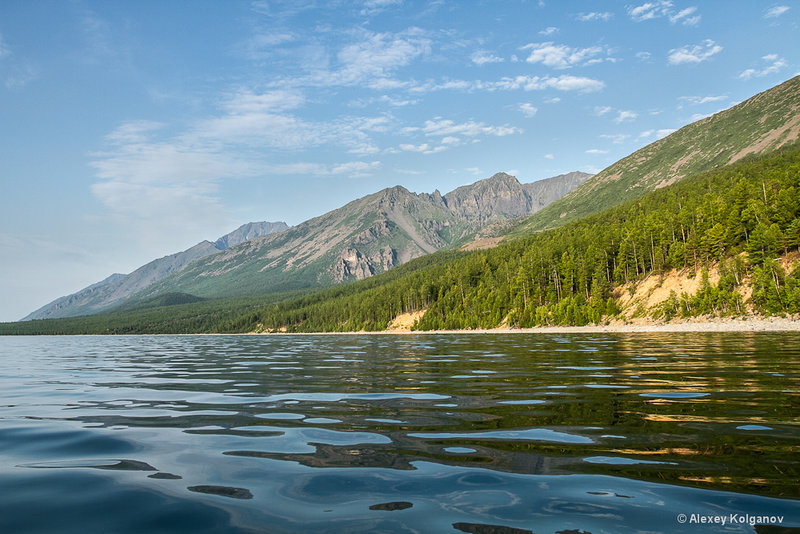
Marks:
<point>249,231</point>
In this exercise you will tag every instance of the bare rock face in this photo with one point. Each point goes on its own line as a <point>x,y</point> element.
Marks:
<point>352,264</point>
<point>500,196</point>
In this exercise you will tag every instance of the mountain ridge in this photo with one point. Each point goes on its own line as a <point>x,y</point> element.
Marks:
<point>760,124</point>
<point>364,237</point>
<point>113,290</point>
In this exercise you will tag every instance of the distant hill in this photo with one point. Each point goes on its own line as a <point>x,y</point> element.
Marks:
<point>118,287</point>
<point>365,237</point>
<point>757,126</point>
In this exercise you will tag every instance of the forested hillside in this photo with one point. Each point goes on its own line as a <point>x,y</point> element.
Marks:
<point>740,218</point>
<point>759,125</point>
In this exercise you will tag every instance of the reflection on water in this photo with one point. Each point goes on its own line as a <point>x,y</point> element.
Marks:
<point>434,433</point>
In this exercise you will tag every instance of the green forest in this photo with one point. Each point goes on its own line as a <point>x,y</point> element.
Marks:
<point>738,218</point>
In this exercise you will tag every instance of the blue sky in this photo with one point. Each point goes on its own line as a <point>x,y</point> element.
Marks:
<point>131,130</point>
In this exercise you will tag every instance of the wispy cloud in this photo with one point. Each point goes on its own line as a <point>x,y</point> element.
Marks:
<point>625,116</point>
<point>15,72</point>
<point>596,151</point>
<point>560,83</point>
<point>774,64</point>
<point>700,100</point>
<point>550,30</point>
<point>563,82</point>
<point>481,57</point>
<point>621,114</point>
<point>369,59</point>
<point>151,177</point>
<point>423,148</point>
<point>588,17</point>
<point>560,56</point>
<point>685,17</point>
<point>446,127</point>
<point>371,7</point>
<point>657,134</point>
<point>776,11</point>
<point>615,138</point>
<point>528,109</point>
<point>378,56</point>
<point>664,9</point>
<point>693,54</point>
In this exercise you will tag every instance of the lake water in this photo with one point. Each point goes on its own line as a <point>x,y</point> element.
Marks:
<point>487,434</point>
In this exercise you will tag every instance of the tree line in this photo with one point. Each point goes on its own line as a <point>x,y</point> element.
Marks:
<point>740,218</point>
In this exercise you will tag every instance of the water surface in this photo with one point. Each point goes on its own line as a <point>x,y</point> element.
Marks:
<point>432,433</point>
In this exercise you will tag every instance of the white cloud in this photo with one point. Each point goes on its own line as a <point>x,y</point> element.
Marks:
<point>247,101</point>
<point>560,83</point>
<point>658,134</point>
<point>154,178</point>
<point>776,11</point>
<point>623,116</point>
<point>694,54</point>
<point>684,16</point>
<point>650,10</point>
<point>553,100</point>
<point>408,147</point>
<point>550,30</point>
<point>371,60</point>
<point>775,64</point>
<point>449,131</point>
<point>596,151</point>
<point>549,156</point>
<point>481,57</point>
<point>447,127</point>
<point>615,138</point>
<point>375,6</point>
<point>664,8</point>
<point>587,17</point>
<point>602,110</point>
<point>424,148</point>
<point>528,109</point>
<point>133,132</point>
<point>526,83</point>
<point>643,56</point>
<point>378,56</point>
<point>161,187</point>
<point>560,56</point>
<point>355,168</point>
<point>699,100</point>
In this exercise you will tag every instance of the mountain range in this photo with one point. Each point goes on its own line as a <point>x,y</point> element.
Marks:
<point>708,160</point>
<point>116,288</point>
<point>365,237</point>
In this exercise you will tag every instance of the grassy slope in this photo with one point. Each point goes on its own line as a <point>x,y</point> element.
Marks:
<point>759,125</point>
